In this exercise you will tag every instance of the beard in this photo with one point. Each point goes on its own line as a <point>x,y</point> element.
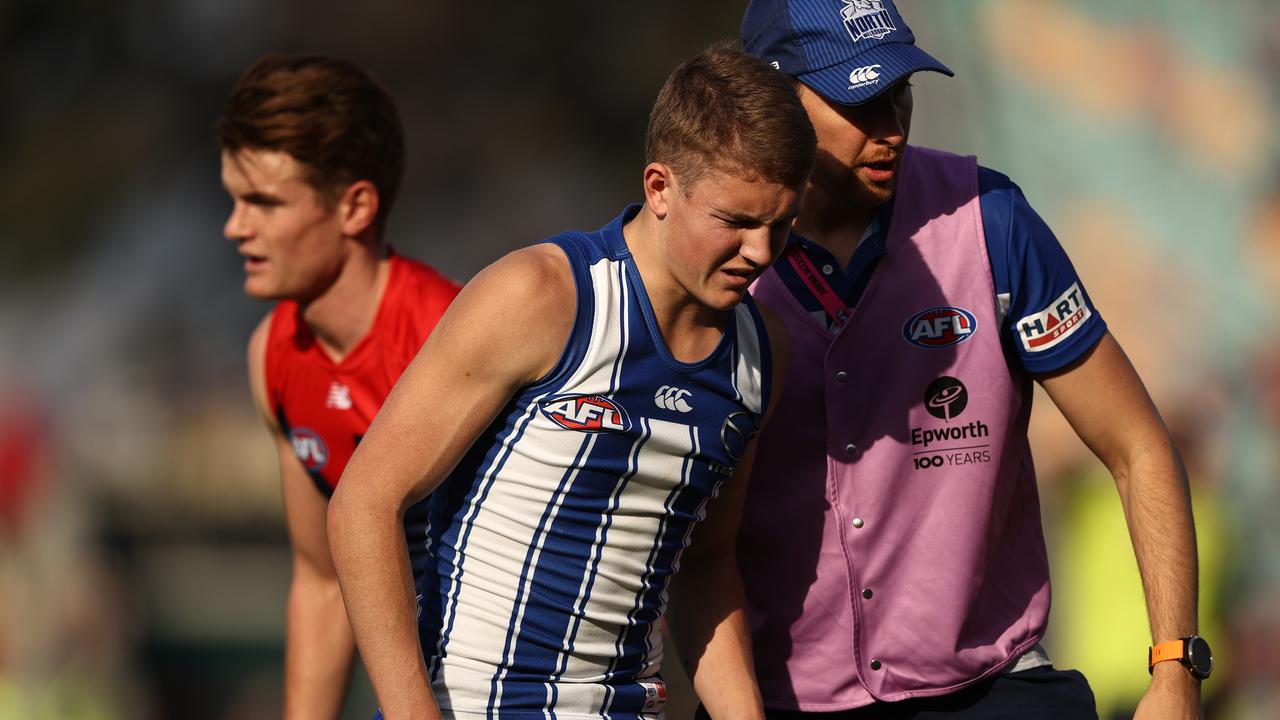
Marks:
<point>844,185</point>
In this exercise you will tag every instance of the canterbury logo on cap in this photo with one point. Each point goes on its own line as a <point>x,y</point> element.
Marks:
<point>865,75</point>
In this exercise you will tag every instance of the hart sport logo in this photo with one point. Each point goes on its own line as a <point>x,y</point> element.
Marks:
<point>1056,323</point>
<point>866,19</point>
<point>946,398</point>
<point>587,413</point>
<point>940,327</point>
<point>310,448</point>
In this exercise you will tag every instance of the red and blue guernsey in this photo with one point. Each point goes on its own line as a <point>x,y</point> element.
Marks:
<point>325,407</point>
<point>558,532</point>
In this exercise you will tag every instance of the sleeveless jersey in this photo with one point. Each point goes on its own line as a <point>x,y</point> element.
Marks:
<point>558,532</point>
<point>325,407</point>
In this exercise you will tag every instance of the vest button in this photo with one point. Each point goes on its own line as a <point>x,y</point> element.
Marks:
<point>866,593</point>
<point>842,376</point>
<point>857,522</point>
<point>827,269</point>
<point>875,664</point>
<point>851,448</point>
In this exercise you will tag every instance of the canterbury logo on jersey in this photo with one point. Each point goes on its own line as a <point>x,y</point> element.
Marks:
<point>672,398</point>
<point>588,413</point>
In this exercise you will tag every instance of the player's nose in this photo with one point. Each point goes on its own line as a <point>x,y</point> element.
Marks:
<point>235,228</point>
<point>758,246</point>
<point>886,121</point>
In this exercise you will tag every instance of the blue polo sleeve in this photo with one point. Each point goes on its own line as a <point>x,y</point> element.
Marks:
<point>1050,320</point>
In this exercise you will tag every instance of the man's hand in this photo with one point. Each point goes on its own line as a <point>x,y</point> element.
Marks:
<point>1174,695</point>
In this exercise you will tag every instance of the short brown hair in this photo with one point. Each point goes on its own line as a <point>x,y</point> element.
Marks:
<point>729,111</point>
<point>326,113</point>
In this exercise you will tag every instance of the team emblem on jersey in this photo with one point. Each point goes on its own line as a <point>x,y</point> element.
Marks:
<point>673,398</point>
<point>310,448</point>
<point>866,19</point>
<point>1056,323</point>
<point>737,431</point>
<point>940,327</point>
<point>588,413</point>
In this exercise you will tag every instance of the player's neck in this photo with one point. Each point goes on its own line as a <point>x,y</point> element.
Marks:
<point>690,329</point>
<point>341,316</point>
<point>836,226</point>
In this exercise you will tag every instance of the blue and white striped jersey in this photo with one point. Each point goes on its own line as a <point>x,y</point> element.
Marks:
<point>557,534</point>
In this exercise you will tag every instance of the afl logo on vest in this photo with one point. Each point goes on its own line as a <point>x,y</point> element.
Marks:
<point>586,413</point>
<point>940,327</point>
<point>310,448</point>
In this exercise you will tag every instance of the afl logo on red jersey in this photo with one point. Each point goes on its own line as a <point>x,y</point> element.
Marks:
<point>940,327</point>
<point>588,413</point>
<point>310,448</point>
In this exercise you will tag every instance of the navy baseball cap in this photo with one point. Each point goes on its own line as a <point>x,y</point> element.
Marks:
<point>846,50</point>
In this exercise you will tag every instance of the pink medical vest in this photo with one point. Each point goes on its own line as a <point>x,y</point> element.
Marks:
<point>891,544</point>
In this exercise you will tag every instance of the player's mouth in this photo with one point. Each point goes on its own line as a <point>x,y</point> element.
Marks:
<point>880,171</point>
<point>253,263</point>
<point>738,279</point>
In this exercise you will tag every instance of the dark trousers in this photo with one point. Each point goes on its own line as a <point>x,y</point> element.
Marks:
<point>1040,694</point>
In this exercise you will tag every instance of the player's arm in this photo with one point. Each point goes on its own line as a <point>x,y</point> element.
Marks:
<point>505,330</point>
<point>319,648</point>
<point>707,616</point>
<point>1106,403</point>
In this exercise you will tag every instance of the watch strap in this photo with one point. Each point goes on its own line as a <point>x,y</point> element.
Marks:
<point>1169,650</point>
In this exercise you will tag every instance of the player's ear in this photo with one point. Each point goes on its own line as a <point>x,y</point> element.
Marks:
<point>358,207</point>
<point>659,184</point>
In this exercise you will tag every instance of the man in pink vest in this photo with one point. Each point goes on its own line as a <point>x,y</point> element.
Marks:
<point>891,545</point>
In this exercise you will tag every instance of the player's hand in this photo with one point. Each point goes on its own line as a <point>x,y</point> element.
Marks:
<point>1174,695</point>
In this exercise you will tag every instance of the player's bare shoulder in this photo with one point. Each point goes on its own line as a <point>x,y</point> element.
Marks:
<point>528,293</point>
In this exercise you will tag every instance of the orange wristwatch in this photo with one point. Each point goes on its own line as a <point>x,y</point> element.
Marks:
<point>1192,651</point>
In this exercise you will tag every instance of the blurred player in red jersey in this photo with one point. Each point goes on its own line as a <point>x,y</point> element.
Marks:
<point>312,156</point>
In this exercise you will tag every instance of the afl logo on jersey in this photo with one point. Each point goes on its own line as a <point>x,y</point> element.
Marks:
<point>940,327</point>
<point>588,413</point>
<point>310,448</point>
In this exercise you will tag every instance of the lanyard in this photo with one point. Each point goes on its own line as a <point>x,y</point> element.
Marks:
<point>817,285</point>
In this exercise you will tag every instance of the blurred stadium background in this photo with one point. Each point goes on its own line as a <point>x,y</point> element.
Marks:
<point>143,562</point>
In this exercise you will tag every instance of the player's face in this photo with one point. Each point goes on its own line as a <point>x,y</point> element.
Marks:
<point>724,232</point>
<point>291,240</point>
<point>859,147</point>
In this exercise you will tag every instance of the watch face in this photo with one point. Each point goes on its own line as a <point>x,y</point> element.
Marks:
<point>1199,657</point>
